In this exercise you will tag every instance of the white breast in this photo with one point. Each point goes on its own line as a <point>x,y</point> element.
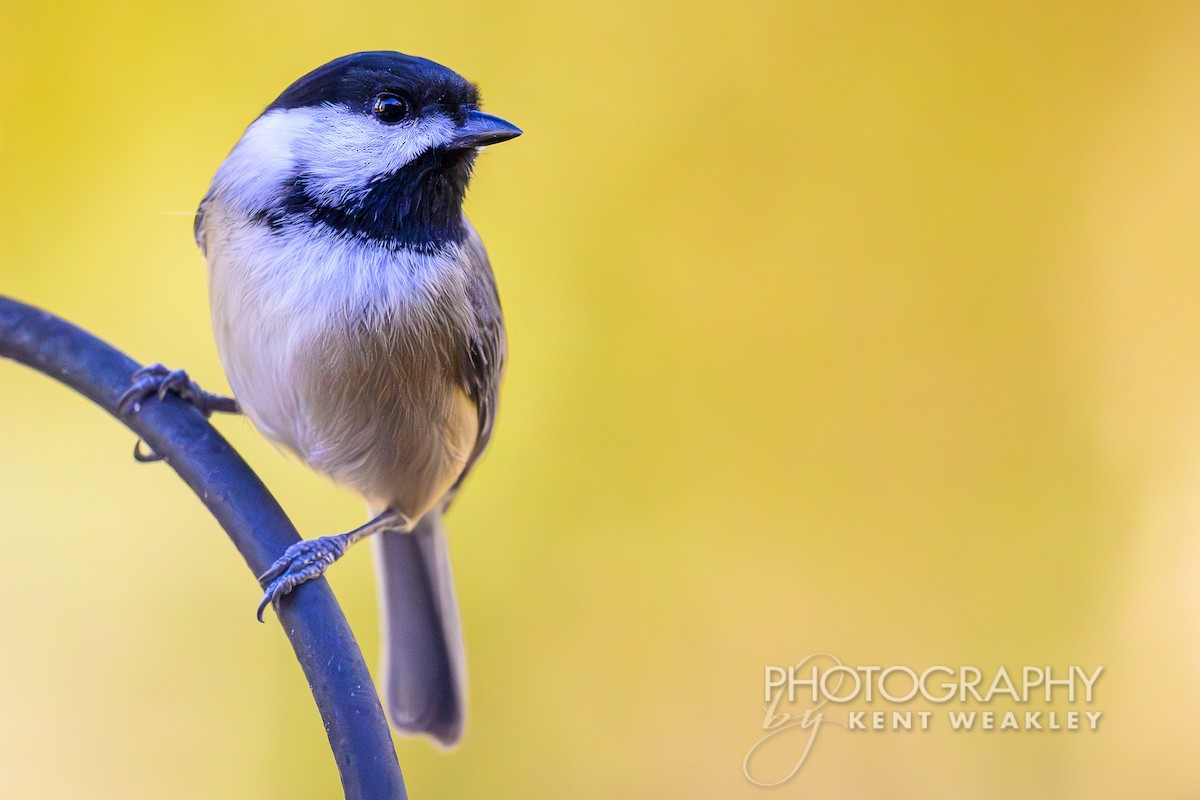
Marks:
<point>345,353</point>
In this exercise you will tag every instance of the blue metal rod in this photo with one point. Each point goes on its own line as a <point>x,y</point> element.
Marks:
<point>311,618</point>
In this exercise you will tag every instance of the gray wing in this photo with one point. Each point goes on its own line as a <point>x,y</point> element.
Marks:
<point>198,226</point>
<point>483,363</point>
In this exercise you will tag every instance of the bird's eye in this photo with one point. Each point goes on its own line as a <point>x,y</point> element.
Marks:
<point>391,108</point>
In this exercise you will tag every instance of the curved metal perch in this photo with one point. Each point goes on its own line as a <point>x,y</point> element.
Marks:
<point>312,619</point>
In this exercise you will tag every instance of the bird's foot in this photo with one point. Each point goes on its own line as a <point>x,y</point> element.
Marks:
<point>299,564</point>
<point>157,380</point>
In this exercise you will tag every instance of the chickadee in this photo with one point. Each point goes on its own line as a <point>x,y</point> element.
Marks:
<point>357,320</point>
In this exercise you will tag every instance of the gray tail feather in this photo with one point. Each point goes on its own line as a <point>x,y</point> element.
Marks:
<point>424,668</point>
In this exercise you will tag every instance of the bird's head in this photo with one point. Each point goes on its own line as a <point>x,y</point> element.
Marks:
<point>376,145</point>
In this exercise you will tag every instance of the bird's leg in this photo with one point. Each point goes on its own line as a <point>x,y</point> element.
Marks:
<point>309,559</point>
<point>156,379</point>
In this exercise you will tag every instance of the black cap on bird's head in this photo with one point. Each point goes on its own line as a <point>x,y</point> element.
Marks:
<point>378,145</point>
<point>394,87</point>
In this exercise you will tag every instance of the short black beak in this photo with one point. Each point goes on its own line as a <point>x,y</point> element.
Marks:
<point>482,129</point>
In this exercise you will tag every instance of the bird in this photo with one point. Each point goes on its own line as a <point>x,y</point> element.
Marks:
<point>358,322</point>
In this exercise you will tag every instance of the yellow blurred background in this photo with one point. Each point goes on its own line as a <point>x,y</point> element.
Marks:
<point>867,328</point>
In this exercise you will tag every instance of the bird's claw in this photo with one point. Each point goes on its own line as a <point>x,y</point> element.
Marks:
<point>299,564</point>
<point>156,380</point>
<point>145,456</point>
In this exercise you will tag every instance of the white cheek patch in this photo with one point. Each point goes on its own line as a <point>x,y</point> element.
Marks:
<point>343,151</point>
<point>252,176</point>
<point>338,150</point>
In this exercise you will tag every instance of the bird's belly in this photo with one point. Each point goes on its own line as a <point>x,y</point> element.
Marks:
<point>371,399</point>
<point>384,414</point>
